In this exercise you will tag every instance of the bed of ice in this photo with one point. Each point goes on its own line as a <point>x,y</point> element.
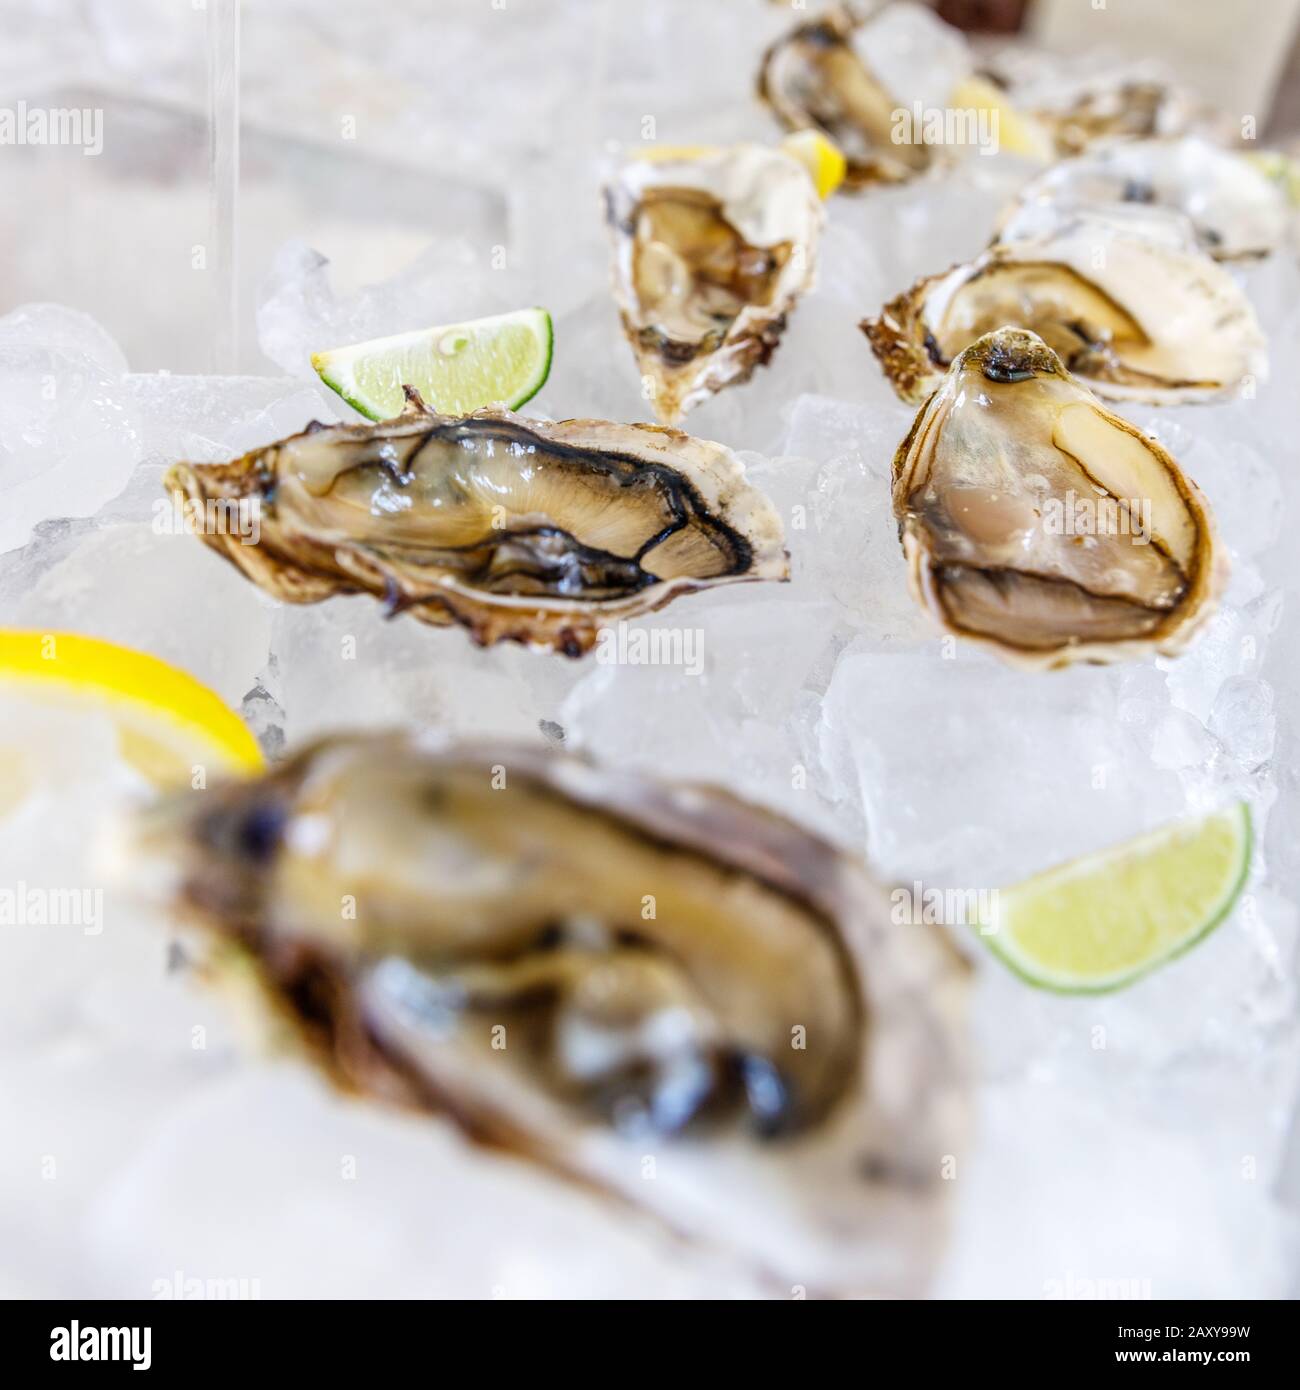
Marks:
<point>1135,1137</point>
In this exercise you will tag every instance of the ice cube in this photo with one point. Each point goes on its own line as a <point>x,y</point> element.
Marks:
<point>452,280</point>
<point>955,758</point>
<point>149,587</point>
<point>1068,1197</point>
<point>209,419</point>
<point>67,436</point>
<point>323,1197</point>
<point>379,672</point>
<point>914,55</point>
<point>843,535</point>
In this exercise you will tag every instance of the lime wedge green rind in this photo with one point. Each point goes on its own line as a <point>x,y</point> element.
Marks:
<point>457,368</point>
<point>1097,924</point>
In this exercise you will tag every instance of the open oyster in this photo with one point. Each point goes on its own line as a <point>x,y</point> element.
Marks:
<point>1123,296</point>
<point>817,77</point>
<point>519,530</point>
<point>1122,108</point>
<point>1236,210</point>
<point>1035,521</point>
<point>1080,99</point>
<point>711,251</point>
<point>617,979</point>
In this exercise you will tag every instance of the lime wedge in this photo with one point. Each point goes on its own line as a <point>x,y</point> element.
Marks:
<point>821,156</point>
<point>456,368</point>
<point>1103,921</point>
<point>1284,172</point>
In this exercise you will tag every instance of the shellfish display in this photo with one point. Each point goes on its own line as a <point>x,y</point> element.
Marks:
<point>587,967</point>
<point>711,252</point>
<point>1124,297</point>
<point>816,78</point>
<point>1236,210</point>
<point>829,839</point>
<point>1039,523</point>
<point>516,529</point>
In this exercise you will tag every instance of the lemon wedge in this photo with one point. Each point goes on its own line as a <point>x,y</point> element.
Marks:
<point>167,722</point>
<point>1016,131</point>
<point>821,156</point>
<point>661,154</point>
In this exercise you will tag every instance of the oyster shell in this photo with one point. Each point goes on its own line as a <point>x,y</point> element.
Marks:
<point>1081,100</point>
<point>1122,295</point>
<point>601,973</point>
<point>1037,522</point>
<point>815,78</point>
<point>1124,109</point>
<point>519,530</point>
<point>1236,210</point>
<point>711,252</point>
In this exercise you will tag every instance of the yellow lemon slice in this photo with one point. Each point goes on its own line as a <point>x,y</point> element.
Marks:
<point>167,723</point>
<point>1016,131</point>
<point>661,154</point>
<point>821,156</point>
<point>818,154</point>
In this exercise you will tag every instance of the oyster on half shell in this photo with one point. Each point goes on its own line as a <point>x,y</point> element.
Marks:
<point>711,251</point>
<point>1083,99</point>
<point>1236,210</point>
<point>596,970</point>
<point>1037,522</point>
<point>516,529</point>
<point>815,78</point>
<point>1123,295</point>
<point>1106,111</point>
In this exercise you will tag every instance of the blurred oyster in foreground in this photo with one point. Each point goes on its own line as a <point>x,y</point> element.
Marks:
<point>682,1001</point>
<point>1237,211</point>
<point>817,77</point>
<point>1123,295</point>
<point>1034,520</point>
<point>712,248</point>
<point>518,530</point>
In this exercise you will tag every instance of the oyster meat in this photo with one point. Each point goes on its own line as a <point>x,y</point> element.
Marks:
<point>1236,210</point>
<point>816,77</point>
<point>1037,522</point>
<point>603,974</point>
<point>516,529</point>
<point>711,252</point>
<point>1123,295</point>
